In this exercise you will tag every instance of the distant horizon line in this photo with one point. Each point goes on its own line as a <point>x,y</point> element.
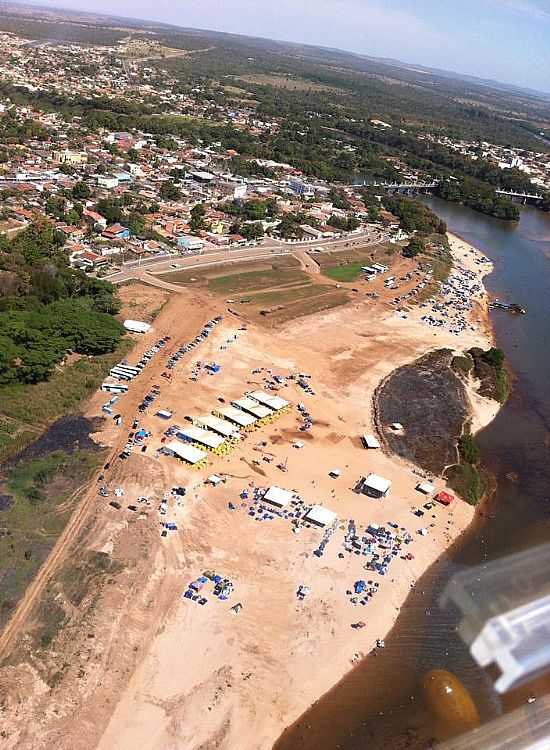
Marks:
<point>392,62</point>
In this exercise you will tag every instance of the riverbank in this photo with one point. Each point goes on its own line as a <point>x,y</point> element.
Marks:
<point>198,676</point>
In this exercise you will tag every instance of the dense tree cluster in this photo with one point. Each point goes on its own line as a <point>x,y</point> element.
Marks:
<point>14,130</point>
<point>415,247</point>
<point>48,309</point>
<point>480,197</point>
<point>344,223</point>
<point>252,210</point>
<point>414,216</point>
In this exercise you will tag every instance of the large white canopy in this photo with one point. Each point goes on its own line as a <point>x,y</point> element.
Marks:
<point>378,484</point>
<point>268,399</point>
<point>321,516</point>
<point>186,452</point>
<point>252,407</point>
<point>198,435</point>
<point>278,496</point>
<point>238,416</point>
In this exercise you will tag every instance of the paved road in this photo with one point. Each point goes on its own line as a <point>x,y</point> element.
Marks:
<point>161,265</point>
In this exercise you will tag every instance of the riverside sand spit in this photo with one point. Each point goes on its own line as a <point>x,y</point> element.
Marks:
<point>140,664</point>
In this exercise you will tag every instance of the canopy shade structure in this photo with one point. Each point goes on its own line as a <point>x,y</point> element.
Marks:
<point>321,516</point>
<point>277,496</point>
<point>186,452</point>
<point>376,486</point>
<point>426,488</point>
<point>136,326</point>
<point>369,441</point>
<point>217,425</point>
<point>252,407</point>
<point>237,416</point>
<point>267,399</point>
<point>198,435</point>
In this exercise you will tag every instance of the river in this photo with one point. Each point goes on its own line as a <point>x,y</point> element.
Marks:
<point>379,704</point>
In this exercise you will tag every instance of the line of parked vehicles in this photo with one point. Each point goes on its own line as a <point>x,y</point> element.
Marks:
<point>202,336</point>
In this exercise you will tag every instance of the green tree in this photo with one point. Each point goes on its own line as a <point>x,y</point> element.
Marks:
<point>252,231</point>
<point>81,191</point>
<point>169,191</point>
<point>414,248</point>
<point>197,222</point>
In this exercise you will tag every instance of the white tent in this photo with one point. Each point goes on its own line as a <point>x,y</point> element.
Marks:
<point>217,425</point>
<point>252,407</point>
<point>237,416</point>
<point>198,435</point>
<point>136,326</point>
<point>426,488</point>
<point>320,516</point>
<point>277,496</point>
<point>268,399</point>
<point>369,441</point>
<point>186,452</point>
<point>376,486</point>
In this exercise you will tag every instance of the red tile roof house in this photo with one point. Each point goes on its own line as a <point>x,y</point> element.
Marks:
<point>87,259</point>
<point>95,218</point>
<point>116,232</point>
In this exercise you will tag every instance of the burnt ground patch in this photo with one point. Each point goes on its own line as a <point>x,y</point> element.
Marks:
<point>430,401</point>
<point>67,434</point>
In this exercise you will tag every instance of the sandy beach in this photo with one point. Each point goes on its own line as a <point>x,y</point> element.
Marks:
<point>162,672</point>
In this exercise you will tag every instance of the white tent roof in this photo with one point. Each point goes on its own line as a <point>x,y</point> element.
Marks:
<point>426,488</point>
<point>137,326</point>
<point>237,416</point>
<point>276,402</point>
<point>278,497</point>
<point>198,435</point>
<point>379,484</point>
<point>217,425</point>
<point>252,407</point>
<point>186,451</point>
<point>268,399</point>
<point>370,441</point>
<point>321,516</point>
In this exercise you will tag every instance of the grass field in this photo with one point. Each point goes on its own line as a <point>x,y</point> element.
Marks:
<point>237,277</point>
<point>255,280</point>
<point>42,497</point>
<point>345,273</point>
<point>286,296</point>
<point>300,308</point>
<point>345,266</point>
<point>275,291</point>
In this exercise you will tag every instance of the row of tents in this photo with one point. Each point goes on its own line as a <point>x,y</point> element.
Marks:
<point>219,431</point>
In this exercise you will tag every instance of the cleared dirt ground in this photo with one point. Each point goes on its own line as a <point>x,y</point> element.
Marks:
<point>140,301</point>
<point>136,665</point>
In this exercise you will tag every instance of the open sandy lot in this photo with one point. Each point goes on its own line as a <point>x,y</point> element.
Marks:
<point>147,668</point>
